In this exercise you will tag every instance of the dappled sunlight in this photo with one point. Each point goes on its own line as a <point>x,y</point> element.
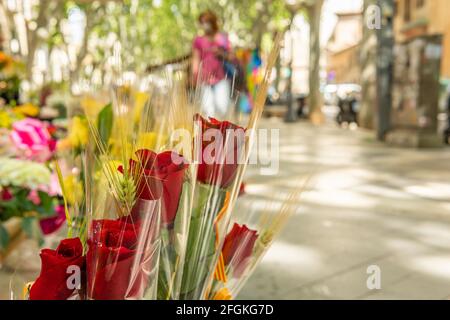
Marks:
<point>290,257</point>
<point>445,206</point>
<point>403,245</point>
<point>434,265</point>
<point>267,191</point>
<point>437,191</point>
<point>339,198</point>
<point>293,149</point>
<point>341,178</point>
<point>384,192</point>
<point>433,234</point>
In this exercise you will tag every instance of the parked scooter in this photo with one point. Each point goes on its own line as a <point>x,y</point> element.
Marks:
<point>347,109</point>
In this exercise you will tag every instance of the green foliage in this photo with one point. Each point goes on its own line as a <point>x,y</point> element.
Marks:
<point>21,205</point>
<point>4,237</point>
<point>104,123</point>
<point>152,34</point>
<point>47,206</point>
<point>30,225</point>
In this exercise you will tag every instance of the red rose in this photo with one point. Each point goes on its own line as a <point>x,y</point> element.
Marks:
<point>5,194</point>
<point>118,265</point>
<point>220,167</point>
<point>51,224</point>
<point>238,247</point>
<point>157,176</point>
<point>52,281</point>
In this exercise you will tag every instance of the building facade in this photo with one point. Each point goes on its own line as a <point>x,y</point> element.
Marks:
<point>415,18</point>
<point>343,49</point>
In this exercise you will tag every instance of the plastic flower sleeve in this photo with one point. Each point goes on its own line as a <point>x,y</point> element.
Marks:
<point>124,206</point>
<point>171,136</point>
<point>222,159</point>
<point>154,151</point>
<point>250,236</point>
<point>219,157</point>
<point>123,253</point>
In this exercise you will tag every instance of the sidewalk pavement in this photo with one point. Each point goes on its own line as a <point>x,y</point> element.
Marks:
<point>367,204</point>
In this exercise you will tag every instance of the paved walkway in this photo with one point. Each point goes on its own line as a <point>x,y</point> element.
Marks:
<point>367,204</point>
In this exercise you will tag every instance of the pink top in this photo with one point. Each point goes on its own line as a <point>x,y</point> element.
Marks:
<point>212,70</point>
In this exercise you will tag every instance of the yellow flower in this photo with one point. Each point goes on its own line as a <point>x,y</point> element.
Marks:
<point>118,149</point>
<point>110,167</point>
<point>5,120</point>
<point>27,109</point>
<point>73,189</point>
<point>64,144</point>
<point>79,132</point>
<point>151,141</point>
<point>5,60</point>
<point>140,99</point>
<point>91,106</point>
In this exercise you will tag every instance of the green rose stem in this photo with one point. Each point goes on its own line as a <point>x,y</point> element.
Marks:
<point>172,251</point>
<point>200,251</point>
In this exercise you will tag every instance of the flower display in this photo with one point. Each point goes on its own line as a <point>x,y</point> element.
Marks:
<point>23,173</point>
<point>5,60</point>
<point>31,137</point>
<point>78,132</point>
<point>152,224</point>
<point>27,110</point>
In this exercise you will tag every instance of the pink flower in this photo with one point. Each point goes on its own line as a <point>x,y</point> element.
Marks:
<point>52,189</point>
<point>31,137</point>
<point>33,196</point>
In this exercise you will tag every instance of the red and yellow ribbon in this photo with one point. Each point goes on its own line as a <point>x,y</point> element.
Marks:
<point>219,273</point>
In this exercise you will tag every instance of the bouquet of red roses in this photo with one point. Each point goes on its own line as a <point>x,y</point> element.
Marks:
<point>123,199</point>
<point>157,215</point>
<point>218,180</point>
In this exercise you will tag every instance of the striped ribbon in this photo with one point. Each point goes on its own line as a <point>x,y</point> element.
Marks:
<point>219,273</point>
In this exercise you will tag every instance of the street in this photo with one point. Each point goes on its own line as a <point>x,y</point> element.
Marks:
<point>367,204</point>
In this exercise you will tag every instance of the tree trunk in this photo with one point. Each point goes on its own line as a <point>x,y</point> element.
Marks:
<point>315,103</point>
<point>33,37</point>
<point>6,23</point>
<point>366,115</point>
<point>377,66</point>
<point>385,68</point>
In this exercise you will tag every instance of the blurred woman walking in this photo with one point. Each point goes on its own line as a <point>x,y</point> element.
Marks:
<point>211,50</point>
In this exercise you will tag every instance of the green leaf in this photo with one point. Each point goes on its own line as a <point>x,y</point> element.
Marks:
<point>30,225</point>
<point>46,207</point>
<point>104,123</point>
<point>4,237</point>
